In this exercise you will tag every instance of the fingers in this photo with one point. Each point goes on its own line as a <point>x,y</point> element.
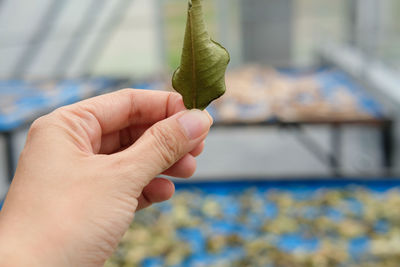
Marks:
<point>158,190</point>
<point>117,141</point>
<point>184,168</point>
<point>163,144</point>
<point>118,110</point>
<point>198,150</point>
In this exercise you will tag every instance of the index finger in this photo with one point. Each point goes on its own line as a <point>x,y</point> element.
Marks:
<point>120,109</point>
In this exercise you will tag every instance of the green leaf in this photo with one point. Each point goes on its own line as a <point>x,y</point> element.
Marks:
<point>200,79</point>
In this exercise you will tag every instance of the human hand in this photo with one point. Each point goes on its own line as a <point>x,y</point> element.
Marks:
<point>86,168</point>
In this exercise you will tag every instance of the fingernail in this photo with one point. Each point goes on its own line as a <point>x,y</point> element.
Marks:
<point>195,123</point>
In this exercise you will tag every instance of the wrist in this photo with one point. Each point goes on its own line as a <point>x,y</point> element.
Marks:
<point>15,252</point>
<point>21,245</point>
<point>15,256</point>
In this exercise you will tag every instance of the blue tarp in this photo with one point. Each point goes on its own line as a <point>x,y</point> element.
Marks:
<point>227,194</point>
<point>22,101</point>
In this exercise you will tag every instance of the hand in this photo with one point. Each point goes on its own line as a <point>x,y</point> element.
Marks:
<point>86,168</point>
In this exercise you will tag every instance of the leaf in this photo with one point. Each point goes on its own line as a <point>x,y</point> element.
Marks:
<point>200,79</point>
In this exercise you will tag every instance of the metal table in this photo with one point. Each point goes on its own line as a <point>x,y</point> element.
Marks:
<point>331,158</point>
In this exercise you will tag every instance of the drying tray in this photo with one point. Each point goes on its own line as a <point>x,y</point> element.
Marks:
<point>21,102</point>
<point>230,201</point>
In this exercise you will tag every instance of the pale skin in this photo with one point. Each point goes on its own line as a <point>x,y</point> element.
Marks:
<point>86,168</point>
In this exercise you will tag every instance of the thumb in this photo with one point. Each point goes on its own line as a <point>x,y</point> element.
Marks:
<point>166,142</point>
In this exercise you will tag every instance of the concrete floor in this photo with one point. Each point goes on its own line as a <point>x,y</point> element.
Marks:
<point>242,153</point>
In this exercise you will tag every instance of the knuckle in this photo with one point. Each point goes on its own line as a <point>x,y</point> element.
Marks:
<point>45,122</point>
<point>125,91</point>
<point>166,144</point>
<point>60,112</point>
<point>38,125</point>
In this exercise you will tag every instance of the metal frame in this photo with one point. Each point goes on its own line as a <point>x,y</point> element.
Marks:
<point>9,154</point>
<point>38,36</point>
<point>104,36</point>
<point>368,26</point>
<point>332,158</point>
<point>68,55</point>
<point>80,35</point>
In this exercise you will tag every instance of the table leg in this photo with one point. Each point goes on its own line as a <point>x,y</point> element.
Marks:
<point>9,155</point>
<point>387,146</point>
<point>336,150</point>
<point>313,147</point>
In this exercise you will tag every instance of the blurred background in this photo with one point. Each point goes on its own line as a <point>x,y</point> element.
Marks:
<point>301,166</point>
